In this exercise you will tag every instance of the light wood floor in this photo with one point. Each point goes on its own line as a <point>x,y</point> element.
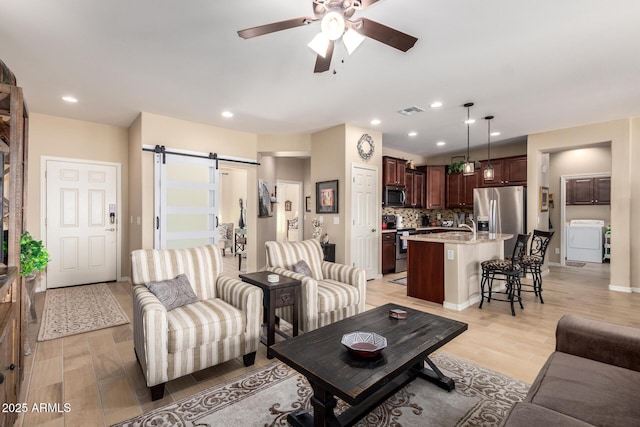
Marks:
<point>97,373</point>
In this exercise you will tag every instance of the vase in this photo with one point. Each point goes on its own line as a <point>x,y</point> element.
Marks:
<point>241,223</point>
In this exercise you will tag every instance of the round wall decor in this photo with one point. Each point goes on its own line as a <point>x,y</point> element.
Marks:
<point>366,147</point>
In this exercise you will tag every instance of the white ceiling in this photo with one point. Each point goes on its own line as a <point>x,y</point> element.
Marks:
<point>535,65</point>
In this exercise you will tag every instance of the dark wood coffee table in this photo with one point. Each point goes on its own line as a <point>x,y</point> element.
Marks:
<point>364,383</point>
<point>282,293</point>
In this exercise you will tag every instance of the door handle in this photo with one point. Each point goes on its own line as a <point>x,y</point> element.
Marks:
<point>373,230</point>
<point>109,229</point>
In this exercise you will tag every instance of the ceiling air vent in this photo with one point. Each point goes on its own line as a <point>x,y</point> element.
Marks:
<point>410,111</point>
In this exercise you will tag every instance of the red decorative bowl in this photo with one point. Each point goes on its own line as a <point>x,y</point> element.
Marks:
<point>364,344</point>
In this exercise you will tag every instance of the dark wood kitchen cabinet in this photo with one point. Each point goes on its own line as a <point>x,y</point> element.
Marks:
<point>507,171</point>
<point>393,171</point>
<point>414,181</point>
<point>460,189</point>
<point>435,183</point>
<point>388,253</point>
<point>588,191</point>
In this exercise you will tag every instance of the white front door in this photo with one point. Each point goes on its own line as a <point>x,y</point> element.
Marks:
<point>81,223</point>
<point>366,221</point>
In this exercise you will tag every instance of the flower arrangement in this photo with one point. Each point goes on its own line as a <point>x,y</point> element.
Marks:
<point>317,226</point>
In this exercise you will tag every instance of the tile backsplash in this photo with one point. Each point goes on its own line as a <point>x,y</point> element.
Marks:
<point>412,217</point>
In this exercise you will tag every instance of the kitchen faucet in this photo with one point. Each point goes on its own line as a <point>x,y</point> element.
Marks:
<point>473,230</point>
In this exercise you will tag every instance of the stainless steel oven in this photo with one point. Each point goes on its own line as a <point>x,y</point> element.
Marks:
<point>401,248</point>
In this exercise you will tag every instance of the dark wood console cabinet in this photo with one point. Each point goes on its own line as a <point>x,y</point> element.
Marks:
<point>388,253</point>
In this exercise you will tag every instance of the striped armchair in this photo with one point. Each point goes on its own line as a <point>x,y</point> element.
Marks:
<point>333,292</point>
<point>222,325</point>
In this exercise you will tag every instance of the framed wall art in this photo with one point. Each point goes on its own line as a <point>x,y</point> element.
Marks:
<point>544,199</point>
<point>327,197</point>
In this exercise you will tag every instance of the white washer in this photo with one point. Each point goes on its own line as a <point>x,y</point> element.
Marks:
<point>584,240</point>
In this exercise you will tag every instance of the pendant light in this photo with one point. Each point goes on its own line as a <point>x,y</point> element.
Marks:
<point>468,167</point>
<point>488,172</point>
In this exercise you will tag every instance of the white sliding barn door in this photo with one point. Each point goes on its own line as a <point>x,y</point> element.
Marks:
<point>186,201</point>
<point>81,233</point>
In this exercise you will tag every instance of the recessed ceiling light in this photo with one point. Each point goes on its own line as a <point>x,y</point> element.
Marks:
<point>227,114</point>
<point>69,98</point>
<point>469,122</point>
<point>413,133</point>
<point>375,122</point>
<point>441,143</point>
<point>495,133</point>
<point>436,104</point>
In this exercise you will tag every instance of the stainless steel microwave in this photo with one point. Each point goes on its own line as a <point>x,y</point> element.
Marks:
<point>393,196</point>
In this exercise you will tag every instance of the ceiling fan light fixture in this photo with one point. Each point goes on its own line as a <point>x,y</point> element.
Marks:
<point>319,44</point>
<point>352,39</point>
<point>333,25</point>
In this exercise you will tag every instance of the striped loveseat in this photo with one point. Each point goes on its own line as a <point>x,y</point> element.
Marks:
<point>333,292</point>
<point>222,325</point>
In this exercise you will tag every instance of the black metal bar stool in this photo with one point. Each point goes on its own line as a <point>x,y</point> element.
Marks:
<point>534,261</point>
<point>507,270</point>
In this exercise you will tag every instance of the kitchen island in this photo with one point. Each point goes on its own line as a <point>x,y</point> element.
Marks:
<point>445,267</point>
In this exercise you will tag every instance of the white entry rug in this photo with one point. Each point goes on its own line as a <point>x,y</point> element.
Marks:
<point>78,309</point>
<point>266,396</point>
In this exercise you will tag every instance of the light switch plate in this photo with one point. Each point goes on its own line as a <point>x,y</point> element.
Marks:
<point>450,254</point>
<point>336,220</point>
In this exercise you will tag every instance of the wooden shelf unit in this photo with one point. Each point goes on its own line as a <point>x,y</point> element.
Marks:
<point>13,111</point>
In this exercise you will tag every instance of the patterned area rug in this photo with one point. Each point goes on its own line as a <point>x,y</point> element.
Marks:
<point>400,281</point>
<point>575,264</point>
<point>265,398</point>
<point>78,309</point>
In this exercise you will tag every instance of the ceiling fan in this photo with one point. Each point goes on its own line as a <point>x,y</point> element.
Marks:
<point>335,23</point>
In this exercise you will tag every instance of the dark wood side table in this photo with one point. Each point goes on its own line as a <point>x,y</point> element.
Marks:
<point>282,293</point>
<point>329,251</point>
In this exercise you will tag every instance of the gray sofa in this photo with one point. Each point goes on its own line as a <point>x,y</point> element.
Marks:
<point>593,378</point>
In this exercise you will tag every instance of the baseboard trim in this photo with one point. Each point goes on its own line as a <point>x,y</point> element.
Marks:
<point>462,306</point>
<point>624,289</point>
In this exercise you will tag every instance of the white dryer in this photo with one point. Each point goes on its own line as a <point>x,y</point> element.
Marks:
<point>584,240</point>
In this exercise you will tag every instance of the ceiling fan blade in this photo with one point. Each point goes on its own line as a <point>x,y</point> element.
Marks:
<point>366,3</point>
<point>387,35</point>
<point>260,30</point>
<point>323,64</point>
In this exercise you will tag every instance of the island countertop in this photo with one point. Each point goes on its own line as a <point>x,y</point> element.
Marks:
<point>462,237</point>
<point>446,268</point>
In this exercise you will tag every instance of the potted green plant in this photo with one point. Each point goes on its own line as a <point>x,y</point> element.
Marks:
<point>455,167</point>
<point>33,256</point>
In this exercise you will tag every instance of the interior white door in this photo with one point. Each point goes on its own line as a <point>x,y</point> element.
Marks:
<point>366,221</point>
<point>81,232</point>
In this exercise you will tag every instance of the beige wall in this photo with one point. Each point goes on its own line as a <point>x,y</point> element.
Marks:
<point>479,154</point>
<point>285,145</point>
<point>327,164</point>
<point>59,137</point>
<point>233,187</point>
<point>135,188</point>
<point>625,189</point>
<point>352,157</point>
<point>582,161</point>
<point>417,160</point>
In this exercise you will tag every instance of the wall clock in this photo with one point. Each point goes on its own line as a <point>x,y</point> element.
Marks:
<point>366,147</point>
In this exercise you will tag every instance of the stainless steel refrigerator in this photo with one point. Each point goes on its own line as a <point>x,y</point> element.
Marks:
<point>506,210</point>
